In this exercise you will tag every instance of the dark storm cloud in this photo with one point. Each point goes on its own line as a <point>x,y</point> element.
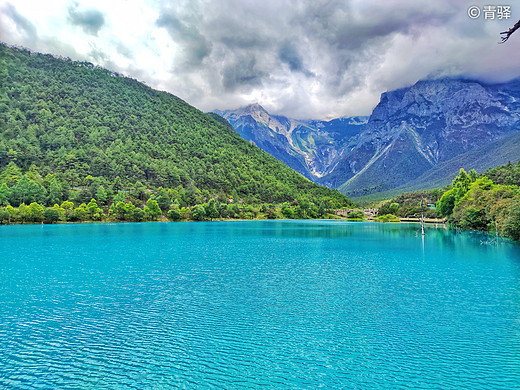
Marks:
<point>272,44</point>
<point>299,58</point>
<point>341,25</point>
<point>90,20</point>
<point>242,73</point>
<point>289,55</point>
<point>196,46</point>
<point>21,22</point>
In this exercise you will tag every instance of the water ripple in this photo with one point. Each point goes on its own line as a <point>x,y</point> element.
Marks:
<point>257,305</point>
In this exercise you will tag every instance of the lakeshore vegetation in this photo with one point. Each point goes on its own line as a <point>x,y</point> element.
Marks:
<point>79,142</point>
<point>488,202</point>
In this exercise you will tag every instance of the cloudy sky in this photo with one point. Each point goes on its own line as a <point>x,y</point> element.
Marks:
<point>303,59</point>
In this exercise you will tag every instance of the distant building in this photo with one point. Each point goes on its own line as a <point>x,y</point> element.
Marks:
<point>367,212</point>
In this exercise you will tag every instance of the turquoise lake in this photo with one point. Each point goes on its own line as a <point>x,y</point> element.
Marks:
<point>260,304</point>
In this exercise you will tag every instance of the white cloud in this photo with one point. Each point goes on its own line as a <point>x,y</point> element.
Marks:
<point>298,58</point>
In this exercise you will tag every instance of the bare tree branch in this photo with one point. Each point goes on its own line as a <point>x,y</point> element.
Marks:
<point>510,31</point>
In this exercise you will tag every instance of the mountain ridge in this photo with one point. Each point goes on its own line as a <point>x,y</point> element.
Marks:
<point>410,132</point>
<point>414,129</point>
<point>311,147</point>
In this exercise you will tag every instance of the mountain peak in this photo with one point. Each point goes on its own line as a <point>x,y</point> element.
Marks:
<point>255,107</point>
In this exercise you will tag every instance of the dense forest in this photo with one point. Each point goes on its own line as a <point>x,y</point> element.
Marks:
<point>73,132</point>
<point>488,202</point>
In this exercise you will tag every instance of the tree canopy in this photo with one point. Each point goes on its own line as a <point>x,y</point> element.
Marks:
<point>73,131</point>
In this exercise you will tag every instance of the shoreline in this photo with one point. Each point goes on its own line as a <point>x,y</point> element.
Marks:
<point>165,220</point>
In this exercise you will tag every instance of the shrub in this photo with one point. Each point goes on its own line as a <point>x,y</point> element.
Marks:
<point>388,218</point>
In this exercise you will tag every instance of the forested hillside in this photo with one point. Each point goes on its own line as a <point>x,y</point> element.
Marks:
<point>69,130</point>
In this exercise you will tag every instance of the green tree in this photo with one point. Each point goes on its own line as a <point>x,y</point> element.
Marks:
<point>211,209</point>
<point>118,210</point>
<point>117,184</point>
<point>129,211</point>
<point>13,213</point>
<point>80,213</point>
<point>4,216</point>
<point>20,192</point>
<point>139,215</point>
<point>139,191</point>
<point>152,210</point>
<point>388,208</point>
<point>356,214</point>
<point>68,210</point>
<point>163,199</point>
<point>119,197</point>
<point>174,214</point>
<point>288,211</point>
<point>4,195</point>
<point>35,212</point>
<point>11,174</point>
<point>23,213</point>
<point>94,213</point>
<point>270,213</point>
<point>473,218</point>
<point>198,213</point>
<point>185,212</point>
<point>101,195</point>
<point>512,220</point>
<point>55,192</point>
<point>446,203</point>
<point>51,215</point>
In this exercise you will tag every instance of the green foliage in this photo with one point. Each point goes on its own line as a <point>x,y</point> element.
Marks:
<point>56,194</point>
<point>388,208</point>
<point>80,213</point>
<point>356,214</point>
<point>139,215</point>
<point>13,213</point>
<point>174,214</point>
<point>508,174</point>
<point>478,203</point>
<point>51,215</point>
<point>4,216</point>
<point>4,194</point>
<point>26,191</point>
<point>101,195</point>
<point>511,222</point>
<point>163,199</point>
<point>472,218</point>
<point>211,209</point>
<point>270,213</point>
<point>68,210</point>
<point>446,203</point>
<point>93,211</point>
<point>198,213</point>
<point>152,210</point>
<point>414,204</point>
<point>99,134</point>
<point>35,212</point>
<point>388,218</point>
<point>287,211</point>
<point>11,174</point>
<point>459,187</point>
<point>417,203</point>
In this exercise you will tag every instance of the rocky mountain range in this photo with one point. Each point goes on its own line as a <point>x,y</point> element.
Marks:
<point>410,134</point>
<point>311,147</point>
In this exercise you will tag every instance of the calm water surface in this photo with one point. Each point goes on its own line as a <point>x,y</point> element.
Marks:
<point>274,304</point>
